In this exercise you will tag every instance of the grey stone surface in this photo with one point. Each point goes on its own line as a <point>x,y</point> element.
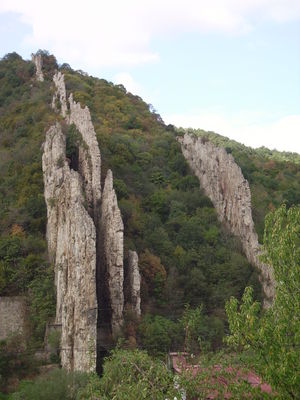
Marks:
<point>38,61</point>
<point>71,236</point>
<point>134,282</point>
<point>223,182</point>
<point>85,237</point>
<point>12,316</point>
<point>60,94</point>
<point>112,228</point>
<point>90,158</point>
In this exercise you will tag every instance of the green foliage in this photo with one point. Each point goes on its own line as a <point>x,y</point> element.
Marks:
<point>276,335</point>
<point>221,376</point>
<point>42,299</point>
<point>57,384</point>
<point>131,375</point>
<point>25,116</point>
<point>15,360</point>
<point>192,321</point>
<point>158,335</point>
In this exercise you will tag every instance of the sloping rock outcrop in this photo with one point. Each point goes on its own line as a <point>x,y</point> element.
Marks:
<point>60,95</point>
<point>223,182</point>
<point>89,155</point>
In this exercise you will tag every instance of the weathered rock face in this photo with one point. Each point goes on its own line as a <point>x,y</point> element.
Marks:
<point>85,239</point>
<point>71,238</point>
<point>60,95</point>
<point>38,61</point>
<point>89,155</point>
<point>223,182</point>
<point>12,316</point>
<point>134,282</point>
<point>112,229</point>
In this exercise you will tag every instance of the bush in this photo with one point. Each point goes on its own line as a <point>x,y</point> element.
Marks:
<point>58,385</point>
<point>132,375</point>
<point>158,335</point>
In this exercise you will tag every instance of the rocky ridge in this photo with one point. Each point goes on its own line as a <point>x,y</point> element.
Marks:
<point>60,96</point>
<point>223,182</point>
<point>71,238</point>
<point>84,234</point>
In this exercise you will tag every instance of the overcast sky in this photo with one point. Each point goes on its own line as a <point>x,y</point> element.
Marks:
<point>230,66</point>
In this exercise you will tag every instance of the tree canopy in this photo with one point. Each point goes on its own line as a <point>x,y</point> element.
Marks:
<point>275,335</point>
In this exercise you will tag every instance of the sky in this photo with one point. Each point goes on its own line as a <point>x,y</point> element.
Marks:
<point>229,66</point>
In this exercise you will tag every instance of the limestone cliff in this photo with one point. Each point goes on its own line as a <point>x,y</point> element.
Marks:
<point>71,238</point>
<point>85,238</point>
<point>223,182</point>
<point>38,61</point>
<point>60,95</point>
<point>112,230</point>
<point>134,282</point>
<point>89,155</point>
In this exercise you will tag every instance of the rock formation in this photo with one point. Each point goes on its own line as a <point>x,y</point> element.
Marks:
<point>38,61</point>
<point>60,95</point>
<point>71,238</point>
<point>85,238</point>
<point>134,282</point>
<point>223,182</point>
<point>89,155</point>
<point>112,230</point>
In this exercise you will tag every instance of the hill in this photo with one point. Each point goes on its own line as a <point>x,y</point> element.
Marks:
<point>185,255</point>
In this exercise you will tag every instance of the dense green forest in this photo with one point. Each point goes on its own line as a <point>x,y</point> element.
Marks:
<point>188,261</point>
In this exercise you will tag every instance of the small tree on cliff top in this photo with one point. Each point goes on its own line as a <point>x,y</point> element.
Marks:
<point>276,335</point>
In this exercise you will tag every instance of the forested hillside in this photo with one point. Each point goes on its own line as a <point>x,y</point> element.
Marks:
<point>185,255</point>
<point>186,258</point>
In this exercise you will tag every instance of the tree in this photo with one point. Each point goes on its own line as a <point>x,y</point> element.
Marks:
<point>131,375</point>
<point>275,335</point>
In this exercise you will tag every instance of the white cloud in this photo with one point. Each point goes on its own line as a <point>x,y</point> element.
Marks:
<point>97,33</point>
<point>282,134</point>
<point>128,82</point>
<point>131,85</point>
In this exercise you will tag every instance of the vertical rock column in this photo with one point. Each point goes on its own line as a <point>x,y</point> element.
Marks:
<point>89,156</point>
<point>71,239</point>
<point>223,182</point>
<point>112,229</point>
<point>37,60</point>
<point>134,282</point>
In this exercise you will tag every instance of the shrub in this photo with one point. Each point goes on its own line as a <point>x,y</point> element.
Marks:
<point>132,375</point>
<point>58,385</point>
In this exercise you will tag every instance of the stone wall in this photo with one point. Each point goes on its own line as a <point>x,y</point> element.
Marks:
<point>12,316</point>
